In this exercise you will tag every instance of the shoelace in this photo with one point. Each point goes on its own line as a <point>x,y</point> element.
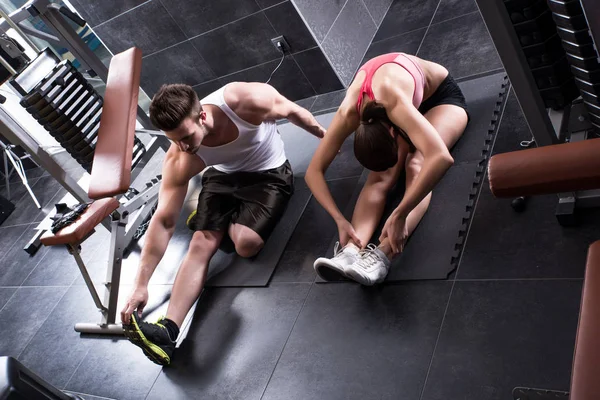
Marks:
<point>336,248</point>
<point>368,256</point>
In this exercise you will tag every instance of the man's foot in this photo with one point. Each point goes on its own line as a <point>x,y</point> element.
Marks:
<point>371,268</point>
<point>152,338</point>
<point>334,269</point>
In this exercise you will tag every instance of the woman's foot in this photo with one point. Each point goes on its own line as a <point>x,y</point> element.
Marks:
<point>334,269</point>
<point>371,268</point>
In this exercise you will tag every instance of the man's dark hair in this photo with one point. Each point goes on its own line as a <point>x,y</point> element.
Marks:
<point>374,147</point>
<point>172,104</point>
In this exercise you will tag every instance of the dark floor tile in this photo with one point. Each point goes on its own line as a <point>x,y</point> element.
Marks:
<point>513,127</point>
<point>204,89</point>
<point>196,17</point>
<point>19,195</point>
<point>233,343</point>
<point>318,71</point>
<point>56,268</point>
<point>8,237</point>
<point>90,397</point>
<point>463,45</point>
<point>18,264</point>
<point>100,11</point>
<point>268,3</point>
<point>378,9</point>
<point>287,22</point>
<point>30,173</point>
<point>453,8</point>
<point>56,349</point>
<point>44,189</point>
<point>178,64</point>
<point>5,295</point>
<point>287,78</point>
<point>24,314</point>
<point>498,335</point>
<point>312,236</point>
<point>119,362</point>
<point>149,27</point>
<point>329,100</point>
<point>505,244</point>
<point>405,16</point>
<point>405,43</point>
<point>367,343</point>
<point>249,39</point>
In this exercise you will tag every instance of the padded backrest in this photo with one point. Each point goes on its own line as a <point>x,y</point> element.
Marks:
<point>111,169</point>
<point>585,379</point>
<point>551,169</point>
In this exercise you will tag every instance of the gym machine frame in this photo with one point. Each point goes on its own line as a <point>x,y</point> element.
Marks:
<point>119,224</point>
<point>572,125</point>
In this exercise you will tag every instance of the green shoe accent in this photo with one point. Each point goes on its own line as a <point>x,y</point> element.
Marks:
<point>152,338</point>
<point>190,218</point>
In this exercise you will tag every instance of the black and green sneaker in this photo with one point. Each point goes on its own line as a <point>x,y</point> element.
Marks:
<point>152,338</point>
<point>191,220</point>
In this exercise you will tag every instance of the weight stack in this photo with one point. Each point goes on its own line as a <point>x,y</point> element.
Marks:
<point>541,44</point>
<point>581,54</point>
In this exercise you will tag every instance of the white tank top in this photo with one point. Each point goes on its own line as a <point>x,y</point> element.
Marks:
<point>257,148</point>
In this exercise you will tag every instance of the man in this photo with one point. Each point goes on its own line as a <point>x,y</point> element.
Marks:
<point>244,193</point>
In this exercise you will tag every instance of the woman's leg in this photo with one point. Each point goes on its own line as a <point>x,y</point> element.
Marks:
<point>450,122</point>
<point>371,201</point>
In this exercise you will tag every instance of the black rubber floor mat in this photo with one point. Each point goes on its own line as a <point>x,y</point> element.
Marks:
<point>230,270</point>
<point>434,249</point>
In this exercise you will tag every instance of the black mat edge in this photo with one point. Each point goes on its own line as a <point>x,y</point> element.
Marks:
<point>480,173</point>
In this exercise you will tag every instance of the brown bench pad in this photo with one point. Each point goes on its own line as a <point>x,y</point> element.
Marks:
<point>79,229</point>
<point>546,170</point>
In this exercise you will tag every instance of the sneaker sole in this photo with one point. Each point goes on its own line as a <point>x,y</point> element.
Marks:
<point>359,278</point>
<point>327,271</point>
<point>152,351</point>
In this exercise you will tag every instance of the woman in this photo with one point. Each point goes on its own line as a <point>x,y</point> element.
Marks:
<point>406,113</point>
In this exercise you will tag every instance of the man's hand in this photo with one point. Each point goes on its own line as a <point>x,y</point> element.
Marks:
<point>347,232</point>
<point>396,232</point>
<point>137,301</point>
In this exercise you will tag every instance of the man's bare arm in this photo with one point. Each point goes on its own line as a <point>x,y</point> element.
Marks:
<point>263,102</point>
<point>178,169</point>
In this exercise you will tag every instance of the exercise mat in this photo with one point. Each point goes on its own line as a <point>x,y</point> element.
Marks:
<point>434,248</point>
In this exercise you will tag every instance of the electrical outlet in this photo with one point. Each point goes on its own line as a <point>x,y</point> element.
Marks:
<point>285,47</point>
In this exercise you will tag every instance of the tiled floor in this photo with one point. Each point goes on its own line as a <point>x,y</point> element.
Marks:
<point>506,318</point>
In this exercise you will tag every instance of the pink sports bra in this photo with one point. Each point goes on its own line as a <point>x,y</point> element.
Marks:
<point>401,59</point>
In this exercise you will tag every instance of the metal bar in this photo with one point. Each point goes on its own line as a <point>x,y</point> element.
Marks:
<point>7,66</point>
<point>74,250</point>
<point>139,218</point>
<point>98,329</point>
<point>19,31</point>
<point>507,44</point>
<point>144,197</point>
<point>6,176</point>
<point>113,270</point>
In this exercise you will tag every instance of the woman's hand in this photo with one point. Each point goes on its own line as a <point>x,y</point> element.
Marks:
<point>396,232</point>
<point>346,232</point>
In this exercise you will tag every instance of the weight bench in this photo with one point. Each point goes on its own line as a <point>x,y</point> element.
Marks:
<point>110,177</point>
<point>561,168</point>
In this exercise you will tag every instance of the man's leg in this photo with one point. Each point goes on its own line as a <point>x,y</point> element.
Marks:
<point>192,274</point>
<point>247,242</point>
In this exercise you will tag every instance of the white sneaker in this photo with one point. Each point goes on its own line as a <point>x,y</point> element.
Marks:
<point>372,267</point>
<point>334,269</point>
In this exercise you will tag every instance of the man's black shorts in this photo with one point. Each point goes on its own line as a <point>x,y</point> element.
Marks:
<point>253,199</point>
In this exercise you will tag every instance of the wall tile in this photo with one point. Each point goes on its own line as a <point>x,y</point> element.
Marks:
<point>287,22</point>
<point>349,39</point>
<point>405,16</point>
<point>178,64</point>
<point>317,70</point>
<point>378,9</point>
<point>320,14</point>
<point>198,16</point>
<point>148,27</point>
<point>98,12</point>
<point>239,45</point>
<point>288,79</point>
